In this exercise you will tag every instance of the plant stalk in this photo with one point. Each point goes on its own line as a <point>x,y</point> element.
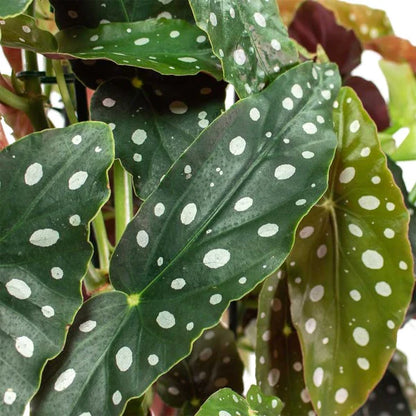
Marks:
<point>103,246</point>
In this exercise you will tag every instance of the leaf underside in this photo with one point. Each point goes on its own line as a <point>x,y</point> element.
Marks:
<point>350,272</point>
<point>51,184</point>
<point>198,243</point>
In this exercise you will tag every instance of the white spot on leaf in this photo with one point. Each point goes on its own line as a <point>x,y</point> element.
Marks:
<point>65,379</point>
<point>77,180</point>
<point>268,230</point>
<point>24,346</point>
<point>33,174</point>
<point>216,258</point>
<point>285,171</point>
<point>124,358</point>
<point>165,320</point>
<point>45,237</point>
<point>18,289</point>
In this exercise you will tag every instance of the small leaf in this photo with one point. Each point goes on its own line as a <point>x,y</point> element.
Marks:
<point>315,25</point>
<point>213,363</point>
<point>183,250</point>
<point>171,47</point>
<point>350,293</point>
<point>52,184</point>
<point>249,38</point>
<point>154,119</point>
<point>13,8</point>
<point>278,354</point>
<point>226,402</point>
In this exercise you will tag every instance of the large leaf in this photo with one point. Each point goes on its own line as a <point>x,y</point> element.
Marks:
<point>13,8</point>
<point>350,291</point>
<point>51,185</point>
<point>249,38</point>
<point>278,354</point>
<point>402,105</point>
<point>226,402</point>
<point>198,243</point>
<point>213,363</point>
<point>154,119</point>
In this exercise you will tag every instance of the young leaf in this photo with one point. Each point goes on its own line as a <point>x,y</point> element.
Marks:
<point>278,354</point>
<point>198,243</point>
<point>13,8</point>
<point>171,47</point>
<point>249,38</point>
<point>350,292</point>
<point>226,402</point>
<point>213,363</point>
<point>52,184</point>
<point>154,119</point>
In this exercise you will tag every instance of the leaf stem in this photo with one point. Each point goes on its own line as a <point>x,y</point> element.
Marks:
<point>123,198</point>
<point>94,278</point>
<point>63,88</point>
<point>103,245</point>
<point>13,100</point>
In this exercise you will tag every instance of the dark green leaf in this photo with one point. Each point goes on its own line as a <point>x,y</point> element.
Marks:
<point>249,38</point>
<point>13,8</point>
<point>51,185</point>
<point>350,291</point>
<point>188,252</point>
<point>214,363</point>
<point>278,355</point>
<point>155,122</point>
<point>225,402</point>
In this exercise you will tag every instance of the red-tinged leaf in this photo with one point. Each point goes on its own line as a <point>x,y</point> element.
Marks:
<point>313,24</point>
<point>372,100</point>
<point>14,58</point>
<point>3,138</point>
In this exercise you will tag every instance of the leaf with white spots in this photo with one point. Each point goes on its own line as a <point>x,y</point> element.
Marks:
<point>144,44</point>
<point>226,402</point>
<point>213,363</point>
<point>154,124</point>
<point>279,369</point>
<point>43,251</point>
<point>249,38</point>
<point>350,293</point>
<point>221,255</point>
<point>13,8</point>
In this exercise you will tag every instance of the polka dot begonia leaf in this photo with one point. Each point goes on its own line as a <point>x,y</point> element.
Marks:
<point>51,185</point>
<point>214,363</point>
<point>197,243</point>
<point>249,38</point>
<point>226,402</point>
<point>168,46</point>
<point>278,354</point>
<point>13,8</point>
<point>154,123</point>
<point>70,13</point>
<point>350,271</point>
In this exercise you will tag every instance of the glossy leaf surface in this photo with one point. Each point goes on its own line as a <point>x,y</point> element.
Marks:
<point>350,292</point>
<point>226,402</point>
<point>171,47</point>
<point>279,369</point>
<point>184,252</point>
<point>249,38</point>
<point>13,8</point>
<point>52,184</point>
<point>213,363</point>
<point>154,123</point>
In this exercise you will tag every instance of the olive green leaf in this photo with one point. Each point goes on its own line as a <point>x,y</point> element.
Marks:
<point>197,243</point>
<point>154,119</point>
<point>13,8</point>
<point>226,402</point>
<point>278,354</point>
<point>213,363</point>
<point>350,272</point>
<point>51,185</point>
<point>249,38</point>
<point>402,105</point>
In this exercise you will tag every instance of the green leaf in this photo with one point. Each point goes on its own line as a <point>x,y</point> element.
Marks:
<point>214,363</point>
<point>22,32</point>
<point>51,184</point>
<point>402,105</point>
<point>249,38</point>
<point>154,123</point>
<point>278,354</point>
<point>183,251</point>
<point>171,47</point>
<point>226,402</point>
<point>13,8</point>
<point>350,292</point>
<point>90,14</point>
